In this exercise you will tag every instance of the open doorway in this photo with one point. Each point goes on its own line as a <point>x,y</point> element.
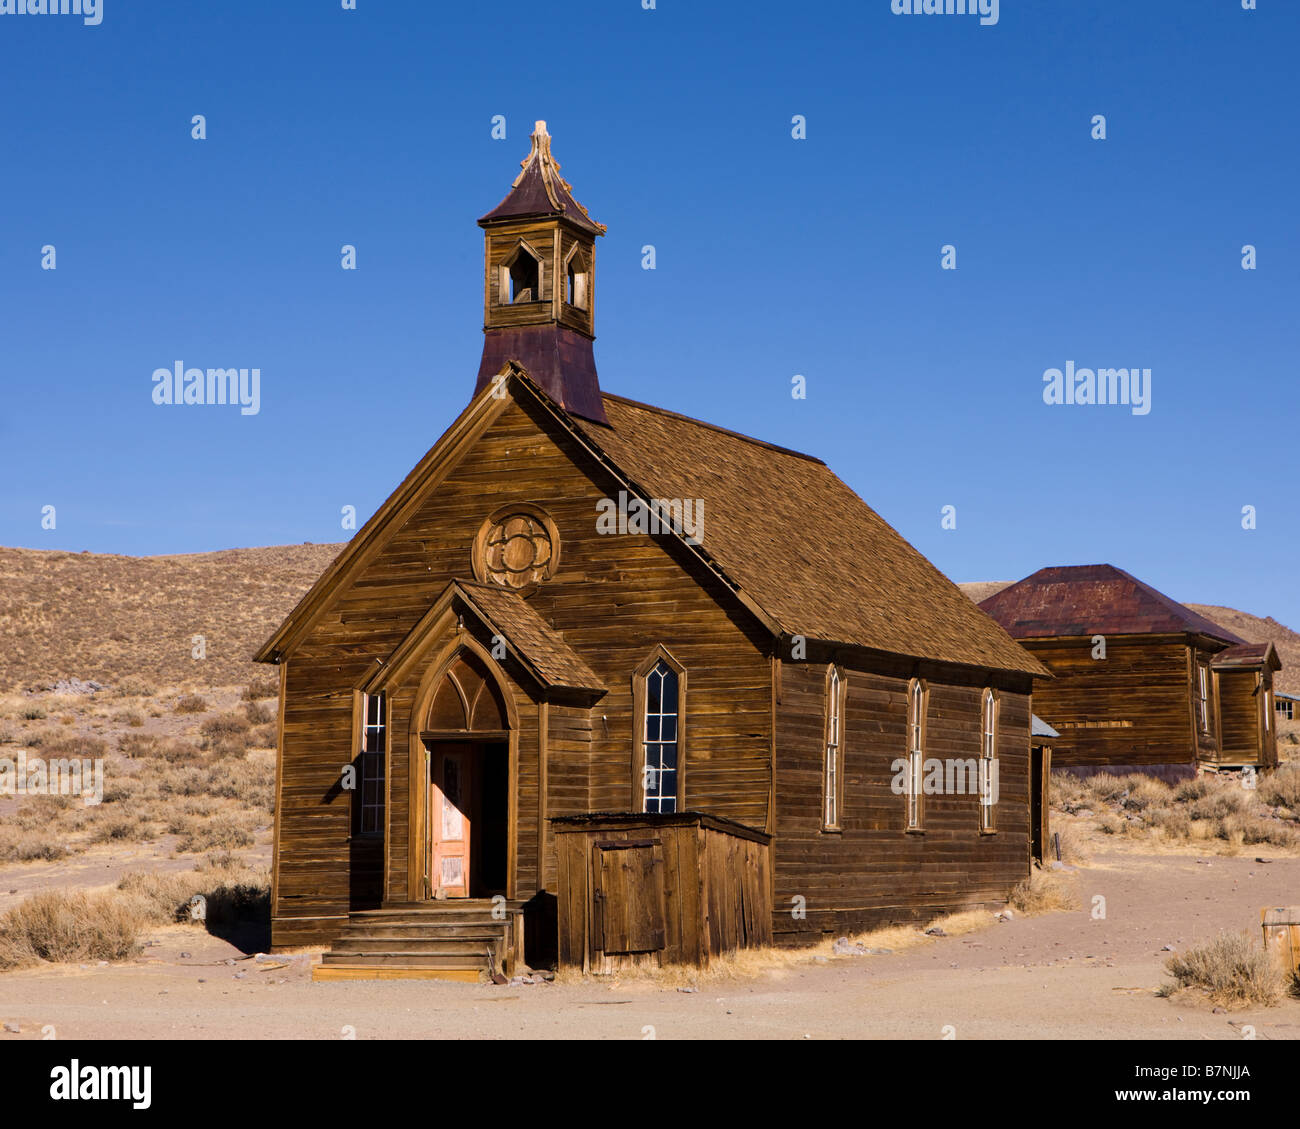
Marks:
<point>469,824</point>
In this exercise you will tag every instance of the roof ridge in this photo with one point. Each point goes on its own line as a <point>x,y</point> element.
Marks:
<point>1190,621</point>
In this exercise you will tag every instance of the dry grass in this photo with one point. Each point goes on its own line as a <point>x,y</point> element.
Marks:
<point>746,964</point>
<point>62,925</point>
<point>1230,970</point>
<point>1044,891</point>
<point>1213,811</point>
<point>191,703</point>
<point>77,926</point>
<point>211,784</point>
<point>1282,788</point>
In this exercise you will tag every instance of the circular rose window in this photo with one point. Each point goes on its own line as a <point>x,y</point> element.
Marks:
<point>517,548</point>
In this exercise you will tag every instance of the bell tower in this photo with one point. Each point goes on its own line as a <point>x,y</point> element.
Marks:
<point>539,293</point>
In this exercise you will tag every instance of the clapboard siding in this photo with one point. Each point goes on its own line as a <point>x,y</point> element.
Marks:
<point>873,870</point>
<point>1136,706</point>
<point>614,599</point>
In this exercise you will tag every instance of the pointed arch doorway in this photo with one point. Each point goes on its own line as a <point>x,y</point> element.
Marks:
<point>468,793</point>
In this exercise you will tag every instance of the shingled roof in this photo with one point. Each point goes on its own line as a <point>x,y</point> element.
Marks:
<point>801,543</point>
<point>544,648</point>
<point>540,190</point>
<point>803,552</point>
<point>1101,599</point>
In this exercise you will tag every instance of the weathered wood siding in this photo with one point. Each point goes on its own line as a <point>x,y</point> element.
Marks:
<point>614,599</point>
<point>874,871</point>
<point>659,890</point>
<point>1134,707</point>
<point>1240,711</point>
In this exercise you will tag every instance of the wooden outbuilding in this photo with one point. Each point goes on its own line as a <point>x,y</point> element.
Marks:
<point>582,619</point>
<point>1141,683</point>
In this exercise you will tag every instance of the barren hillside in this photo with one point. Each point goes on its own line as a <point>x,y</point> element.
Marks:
<point>104,617</point>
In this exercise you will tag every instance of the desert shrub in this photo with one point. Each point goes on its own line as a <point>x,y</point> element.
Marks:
<point>262,737</point>
<point>262,687</point>
<point>1247,828</point>
<point>258,713</point>
<point>1147,792</point>
<point>63,925</point>
<point>252,781</point>
<point>1281,788</point>
<point>1193,789</point>
<point>191,703</point>
<point>1231,970</point>
<point>1223,800</point>
<point>1042,892</point>
<point>131,687</point>
<point>218,833</point>
<point>1069,793</point>
<point>18,843</point>
<point>74,747</point>
<point>133,718</point>
<point>1174,822</point>
<point>1103,786</point>
<point>32,713</point>
<point>229,902</point>
<point>178,751</point>
<point>123,827</point>
<point>225,735</point>
<point>7,735</point>
<point>146,746</point>
<point>158,897</point>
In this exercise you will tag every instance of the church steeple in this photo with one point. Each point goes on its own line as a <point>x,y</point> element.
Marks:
<point>539,252</point>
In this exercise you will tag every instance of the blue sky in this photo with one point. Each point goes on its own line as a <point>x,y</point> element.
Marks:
<point>775,257</point>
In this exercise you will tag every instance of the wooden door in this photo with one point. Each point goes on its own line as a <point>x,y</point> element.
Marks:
<point>1040,769</point>
<point>629,895</point>
<point>451,794</point>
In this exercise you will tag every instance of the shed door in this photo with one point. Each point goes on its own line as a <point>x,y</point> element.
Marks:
<point>629,895</point>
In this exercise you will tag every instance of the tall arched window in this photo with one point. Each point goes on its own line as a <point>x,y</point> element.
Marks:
<point>659,696</point>
<point>916,698</point>
<point>833,772</point>
<point>988,776</point>
<point>371,724</point>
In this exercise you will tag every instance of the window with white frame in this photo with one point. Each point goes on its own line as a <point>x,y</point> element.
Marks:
<point>915,752</point>
<point>988,765</point>
<point>368,799</point>
<point>832,783</point>
<point>1204,676</point>
<point>660,736</point>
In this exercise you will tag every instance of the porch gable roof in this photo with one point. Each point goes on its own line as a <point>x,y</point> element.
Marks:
<point>539,647</point>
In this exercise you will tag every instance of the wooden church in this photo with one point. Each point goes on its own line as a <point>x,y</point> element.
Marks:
<point>603,681</point>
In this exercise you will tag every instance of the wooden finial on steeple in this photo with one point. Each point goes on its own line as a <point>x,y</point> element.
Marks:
<point>539,285</point>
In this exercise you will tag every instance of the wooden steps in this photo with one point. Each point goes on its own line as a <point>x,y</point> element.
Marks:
<point>454,939</point>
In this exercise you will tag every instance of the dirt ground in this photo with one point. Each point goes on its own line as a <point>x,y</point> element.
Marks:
<point>1064,975</point>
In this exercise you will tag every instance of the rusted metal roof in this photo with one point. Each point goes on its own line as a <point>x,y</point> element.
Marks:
<point>1246,656</point>
<point>1074,600</point>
